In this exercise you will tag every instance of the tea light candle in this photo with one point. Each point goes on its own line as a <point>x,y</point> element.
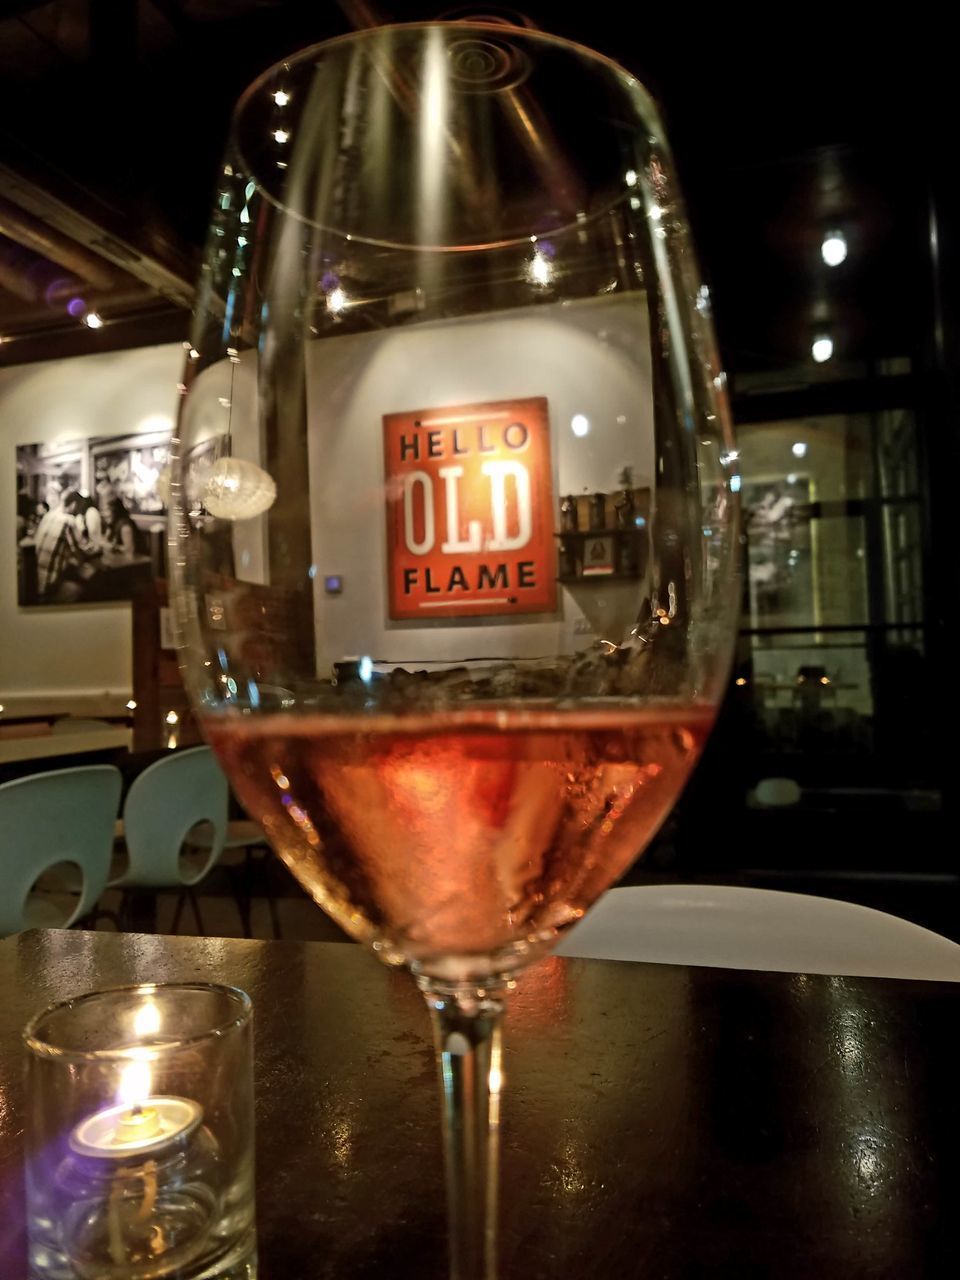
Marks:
<point>133,1153</point>
<point>124,1132</point>
<point>139,1142</point>
<point>137,1125</point>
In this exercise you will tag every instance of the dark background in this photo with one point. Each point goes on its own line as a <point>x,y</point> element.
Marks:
<point>785,121</point>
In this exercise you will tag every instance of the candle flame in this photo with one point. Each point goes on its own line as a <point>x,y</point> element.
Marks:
<point>146,1021</point>
<point>136,1081</point>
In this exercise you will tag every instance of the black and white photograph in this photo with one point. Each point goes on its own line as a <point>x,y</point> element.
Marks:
<point>781,568</point>
<point>90,517</point>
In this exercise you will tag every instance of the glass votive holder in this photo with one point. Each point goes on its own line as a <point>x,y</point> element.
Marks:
<point>139,1136</point>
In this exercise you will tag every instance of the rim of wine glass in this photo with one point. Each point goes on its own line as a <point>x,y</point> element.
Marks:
<point>650,118</point>
<point>44,1047</point>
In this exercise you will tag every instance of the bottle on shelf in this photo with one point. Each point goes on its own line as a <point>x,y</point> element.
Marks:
<point>570,566</point>
<point>625,509</point>
<point>627,551</point>
<point>598,511</point>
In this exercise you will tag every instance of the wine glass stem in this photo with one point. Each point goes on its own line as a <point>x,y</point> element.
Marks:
<point>467,1032</point>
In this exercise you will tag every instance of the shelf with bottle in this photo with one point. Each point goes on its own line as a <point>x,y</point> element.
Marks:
<point>603,536</point>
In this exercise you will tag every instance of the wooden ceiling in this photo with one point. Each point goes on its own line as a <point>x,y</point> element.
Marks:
<point>113,114</point>
<point>62,269</point>
<point>81,239</point>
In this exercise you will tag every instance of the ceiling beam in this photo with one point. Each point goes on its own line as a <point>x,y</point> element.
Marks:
<point>174,15</point>
<point>144,330</point>
<point>16,224</point>
<point>161,266</point>
<point>114,38</point>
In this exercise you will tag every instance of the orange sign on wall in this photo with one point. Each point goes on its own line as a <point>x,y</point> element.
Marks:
<point>470,510</point>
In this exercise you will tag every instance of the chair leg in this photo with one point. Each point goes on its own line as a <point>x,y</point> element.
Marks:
<point>195,903</point>
<point>125,911</point>
<point>274,913</point>
<point>239,878</point>
<point>175,922</point>
<point>257,879</point>
<point>90,920</point>
<point>265,864</point>
<point>140,910</point>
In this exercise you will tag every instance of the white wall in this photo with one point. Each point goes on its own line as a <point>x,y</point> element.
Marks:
<point>75,649</point>
<point>590,358</point>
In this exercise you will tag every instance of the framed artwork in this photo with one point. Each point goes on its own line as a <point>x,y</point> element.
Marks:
<point>91,518</point>
<point>470,520</point>
<point>599,556</point>
<point>776,520</point>
<point>131,466</point>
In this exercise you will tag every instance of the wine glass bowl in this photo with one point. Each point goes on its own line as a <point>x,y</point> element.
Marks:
<point>454,539</point>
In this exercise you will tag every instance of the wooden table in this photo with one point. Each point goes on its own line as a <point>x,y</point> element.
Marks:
<point>659,1122</point>
<point>49,745</point>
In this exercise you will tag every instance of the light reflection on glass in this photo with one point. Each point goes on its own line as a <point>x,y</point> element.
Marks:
<point>822,348</point>
<point>540,269</point>
<point>833,250</point>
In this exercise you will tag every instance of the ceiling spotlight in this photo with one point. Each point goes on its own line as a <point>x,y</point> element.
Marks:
<point>281,135</point>
<point>580,424</point>
<point>93,320</point>
<point>799,449</point>
<point>822,348</point>
<point>281,97</point>
<point>834,248</point>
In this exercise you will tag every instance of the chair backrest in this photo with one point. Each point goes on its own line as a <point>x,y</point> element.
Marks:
<point>66,815</point>
<point>728,927</point>
<point>777,793</point>
<point>164,803</point>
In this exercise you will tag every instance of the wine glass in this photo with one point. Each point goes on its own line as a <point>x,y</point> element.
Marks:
<point>454,532</point>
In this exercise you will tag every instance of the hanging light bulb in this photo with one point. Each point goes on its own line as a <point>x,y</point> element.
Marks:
<point>238,490</point>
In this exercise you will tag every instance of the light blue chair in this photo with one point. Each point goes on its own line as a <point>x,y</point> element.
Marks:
<point>176,828</point>
<point>47,820</point>
<point>173,798</point>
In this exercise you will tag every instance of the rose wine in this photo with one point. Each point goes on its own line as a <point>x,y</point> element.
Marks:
<point>464,835</point>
